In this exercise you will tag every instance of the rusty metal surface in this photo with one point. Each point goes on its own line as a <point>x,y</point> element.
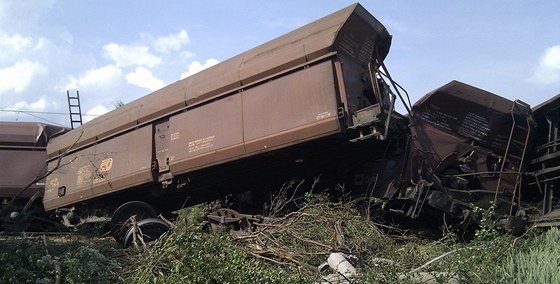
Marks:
<point>293,108</point>
<point>23,155</point>
<point>460,135</point>
<point>27,133</point>
<point>352,32</point>
<point>109,166</point>
<point>282,93</point>
<point>466,112</point>
<point>206,135</point>
<point>544,168</point>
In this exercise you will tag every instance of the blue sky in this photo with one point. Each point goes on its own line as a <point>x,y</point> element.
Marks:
<point>121,50</point>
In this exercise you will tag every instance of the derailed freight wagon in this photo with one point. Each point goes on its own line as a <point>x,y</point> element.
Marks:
<point>543,172</point>
<point>468,148</point>
<point>291,104</point>
<point>23,157</point>
<point>311,103</point>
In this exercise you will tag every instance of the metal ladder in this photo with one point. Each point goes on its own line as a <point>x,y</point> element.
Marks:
<point>515,151</point>
<point>75,109</point>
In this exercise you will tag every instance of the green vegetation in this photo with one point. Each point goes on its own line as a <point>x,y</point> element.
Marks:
<point>538,263</point>
<point>36,260</point>
<point>288,249</point>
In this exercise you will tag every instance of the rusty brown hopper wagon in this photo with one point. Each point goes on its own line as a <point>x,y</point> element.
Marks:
<point>23,158</point>
<point>290,94</point>
<point>469,147</point>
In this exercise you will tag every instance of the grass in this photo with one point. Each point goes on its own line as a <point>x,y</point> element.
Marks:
<point>539,263</point>
<point>56,260</point>
<point>287,249</point>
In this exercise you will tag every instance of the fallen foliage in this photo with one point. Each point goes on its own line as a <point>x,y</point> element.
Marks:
<point>291,246</point>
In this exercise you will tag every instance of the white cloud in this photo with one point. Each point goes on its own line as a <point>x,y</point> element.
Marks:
<point>129,55</point>
<point>144,78</point>
<point>548,71</point>
<point>39,105</point>
<point>15,42</point>
<point>19,76</point>
<point>187,54</point>
<point>171,42</point>
<point>13,46</point>
<point>96,77</point>
<point>95,112</point>
<point>21,109</point>
<point>196,67</point>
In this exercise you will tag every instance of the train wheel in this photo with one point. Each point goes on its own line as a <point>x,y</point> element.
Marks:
<point>120,221</point>
<point>145,231</point>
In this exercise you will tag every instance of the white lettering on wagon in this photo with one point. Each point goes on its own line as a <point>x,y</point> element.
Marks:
<point>201,144</point>
<point>323,115</point>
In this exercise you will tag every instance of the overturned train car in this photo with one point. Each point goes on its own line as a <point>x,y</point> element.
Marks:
<point>23,156</point>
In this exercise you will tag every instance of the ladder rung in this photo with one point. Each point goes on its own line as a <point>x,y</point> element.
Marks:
<point>74,109</point>
<point>514,156</point>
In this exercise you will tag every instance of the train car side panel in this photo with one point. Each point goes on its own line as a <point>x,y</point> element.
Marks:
<point>206,135</point>
<point>23,156</point>
<point>123,162</point>
<point>291,109</point>
<point>111,165</point>
<point>72,180</point>
<point>18,168</point>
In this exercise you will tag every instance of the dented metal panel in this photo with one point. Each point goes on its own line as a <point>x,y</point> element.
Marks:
<point>27,134</point>
<point>471,143</point>
<point>467,113</point>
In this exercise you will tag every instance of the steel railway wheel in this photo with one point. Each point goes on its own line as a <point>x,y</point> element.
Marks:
<point>121,219</point>
<point>145,231</point>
